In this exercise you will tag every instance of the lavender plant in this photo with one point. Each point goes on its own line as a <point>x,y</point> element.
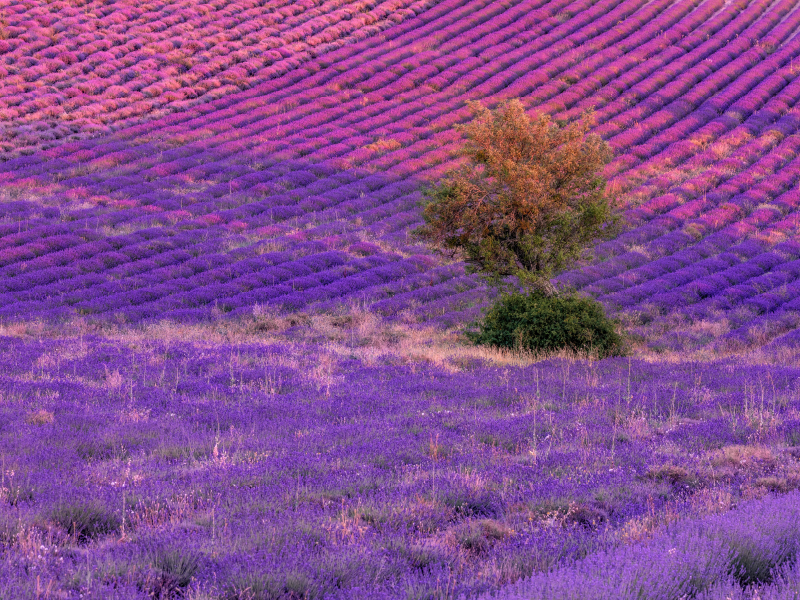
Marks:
<point>167,168</point>
<point>168,461</point>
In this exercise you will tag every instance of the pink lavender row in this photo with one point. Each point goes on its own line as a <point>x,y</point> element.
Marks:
<point>680,134</point>
<point>711,220</point>
<point>697,47</point>
<point>644,53</point>
<point>152,58</point>
<point>366,44</point>
<point>780,118</point>
<point>557,91</point>
<point>748,154</point>
<point>747,69</point>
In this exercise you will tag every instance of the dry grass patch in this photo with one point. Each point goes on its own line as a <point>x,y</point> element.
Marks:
<point>352,333</point>
<point>40,417</point>
<point>383,145</point>
<point>739,456</point>
<point>644,527</point>
<point>671,474</point>
<point>479,536</point>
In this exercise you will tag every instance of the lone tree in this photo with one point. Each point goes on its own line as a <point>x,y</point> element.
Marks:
<point>528,201</point>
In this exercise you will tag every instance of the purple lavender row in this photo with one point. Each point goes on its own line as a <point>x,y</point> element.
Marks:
<point>636,86</point>
<point>656,246</point>
<point>711,50</point>
<point>33,266</point>
<point>550,96</point>
<point>688,558</point>
<point>401,451</point>
<point>725,186</point>
<point>646,51</point>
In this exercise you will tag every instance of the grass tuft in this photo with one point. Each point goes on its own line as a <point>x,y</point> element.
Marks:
<point>480,536</point>
<point>85,521</point>
<point>289,586</point>
<point>672,474</point>
<point>174,569</point>
<point>471,505</point>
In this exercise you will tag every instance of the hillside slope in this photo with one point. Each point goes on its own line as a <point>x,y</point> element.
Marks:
<point>298,188</point>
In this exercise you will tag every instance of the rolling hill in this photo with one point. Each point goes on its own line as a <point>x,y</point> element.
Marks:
<point>229,371</point>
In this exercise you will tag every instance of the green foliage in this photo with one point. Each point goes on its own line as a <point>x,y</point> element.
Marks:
<point>527,204</point>
<point>85,521</point>
<point>293,584</point>
<point>480,536</point>
<point>754,565</point>
<point>532,257</point>
<point>170,573</point>
<point>540,323</point>
<point>177,567</point>
<point>467,504</point>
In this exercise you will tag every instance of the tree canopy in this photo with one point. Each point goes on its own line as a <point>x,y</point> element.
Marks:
<point>528,200</point>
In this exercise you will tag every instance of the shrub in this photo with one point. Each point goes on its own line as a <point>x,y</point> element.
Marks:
<point>540,323</point>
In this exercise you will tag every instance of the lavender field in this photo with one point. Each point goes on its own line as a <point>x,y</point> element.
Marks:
<point>213,463</point>
<point>230,371</point>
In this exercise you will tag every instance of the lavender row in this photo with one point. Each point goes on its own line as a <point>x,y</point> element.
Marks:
<point>198,447</point>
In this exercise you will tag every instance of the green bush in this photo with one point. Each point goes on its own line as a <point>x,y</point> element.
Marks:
<point>540,323</point>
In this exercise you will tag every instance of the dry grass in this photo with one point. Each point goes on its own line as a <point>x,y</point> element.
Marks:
<point>40,417</point>
<point>356,332</point>
<point>639,529</point>
<point>383,145</point>
<point>352,333</point>
<point>743,456</point>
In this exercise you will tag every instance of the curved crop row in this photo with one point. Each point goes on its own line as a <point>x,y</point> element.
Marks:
<point>698,99</point>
